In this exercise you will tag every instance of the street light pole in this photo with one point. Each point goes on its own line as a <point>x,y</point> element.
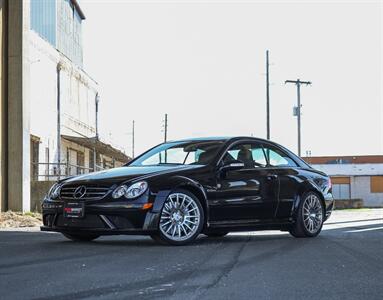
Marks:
<point>297,110</point>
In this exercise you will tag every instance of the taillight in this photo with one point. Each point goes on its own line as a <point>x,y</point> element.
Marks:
<point>329,183</point>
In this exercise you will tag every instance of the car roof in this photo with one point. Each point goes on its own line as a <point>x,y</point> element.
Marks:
<point>220,138</point>
<point>212,138</point>
<point>232,139</point>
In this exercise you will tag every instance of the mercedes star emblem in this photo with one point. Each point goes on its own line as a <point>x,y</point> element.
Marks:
<point>79,192</point>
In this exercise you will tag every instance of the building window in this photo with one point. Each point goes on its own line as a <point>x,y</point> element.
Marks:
<point>376,184</point>
<point>107,164</point>
<point>341,187</point>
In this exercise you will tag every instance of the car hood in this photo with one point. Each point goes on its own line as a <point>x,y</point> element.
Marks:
<point>121,174</point>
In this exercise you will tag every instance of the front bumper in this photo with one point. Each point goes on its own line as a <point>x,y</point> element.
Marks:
<point>106,217</point>
<point>102,224</point>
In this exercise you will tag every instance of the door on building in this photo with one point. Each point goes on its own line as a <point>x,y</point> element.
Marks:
<point>76,162</point>
<point>80,162</point>
<point>91,160</point>
<point>35,145</point>
<point>47,166</point>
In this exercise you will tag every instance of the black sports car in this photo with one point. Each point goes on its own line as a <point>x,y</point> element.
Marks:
<point>177,190</point>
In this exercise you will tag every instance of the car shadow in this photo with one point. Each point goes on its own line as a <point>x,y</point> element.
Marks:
<point>48,240</point>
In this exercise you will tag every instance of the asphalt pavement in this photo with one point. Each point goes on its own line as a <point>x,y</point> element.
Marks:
<point>344,262</point>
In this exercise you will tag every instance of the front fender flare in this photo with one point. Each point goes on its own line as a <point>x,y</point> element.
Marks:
<point>180,182</point>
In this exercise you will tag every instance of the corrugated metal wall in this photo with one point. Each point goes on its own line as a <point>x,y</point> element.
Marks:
<point>69,31</point>
<point>43,19</point>
<point>59,23</point>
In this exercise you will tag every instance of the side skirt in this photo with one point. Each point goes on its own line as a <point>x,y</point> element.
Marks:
<point>251,225</point>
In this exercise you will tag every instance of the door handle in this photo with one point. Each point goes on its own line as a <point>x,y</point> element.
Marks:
<point>271,177</point>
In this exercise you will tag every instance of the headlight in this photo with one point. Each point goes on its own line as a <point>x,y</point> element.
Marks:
<point>133,191</point>
<point>136,189</point>
<point>120,191</point>
<point>54,192</point>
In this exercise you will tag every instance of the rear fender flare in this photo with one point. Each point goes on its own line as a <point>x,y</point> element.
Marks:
<point>305,187</point>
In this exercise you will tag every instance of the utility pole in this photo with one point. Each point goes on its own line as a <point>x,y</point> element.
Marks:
<point>58,70</point>
<point>166,128</point>
<point>133,139</point>
<point>267,96</point>
<point>297,109</point>
<point>97,100</point>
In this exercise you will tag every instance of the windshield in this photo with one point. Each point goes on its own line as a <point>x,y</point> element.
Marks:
<point>180,153</point>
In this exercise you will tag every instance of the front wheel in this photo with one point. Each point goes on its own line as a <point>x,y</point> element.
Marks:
<point>81,237</point>
<point>309,220</point>
<point>182,219</point>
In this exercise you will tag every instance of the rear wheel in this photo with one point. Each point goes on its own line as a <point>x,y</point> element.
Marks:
<point>81,237</point>
<point>309,220</point>
<point>182,219</point>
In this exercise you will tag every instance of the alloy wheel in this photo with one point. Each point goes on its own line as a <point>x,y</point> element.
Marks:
<point>180,217</point>
<point>312,213</point>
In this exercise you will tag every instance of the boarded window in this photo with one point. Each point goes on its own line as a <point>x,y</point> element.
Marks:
<point>376,184</point>
<point>340,180</point>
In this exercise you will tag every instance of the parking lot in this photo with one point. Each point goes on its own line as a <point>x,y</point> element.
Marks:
<point>345,261</point>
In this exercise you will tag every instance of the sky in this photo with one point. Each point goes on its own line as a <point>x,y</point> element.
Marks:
<point>203,63</point>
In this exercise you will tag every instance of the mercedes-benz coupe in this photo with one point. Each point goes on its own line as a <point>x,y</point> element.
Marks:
<point>180,189</point>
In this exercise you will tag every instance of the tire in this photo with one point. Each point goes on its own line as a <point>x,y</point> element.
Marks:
<point>81,237</point>
<point>310,216</point>
<point>217,234</point>
<point>182,219</point>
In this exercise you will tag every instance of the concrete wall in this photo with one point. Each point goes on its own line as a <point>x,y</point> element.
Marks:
<point>361,189</point>
<point>38,191</point>
<point>18,152</point>
<point>3,106</point>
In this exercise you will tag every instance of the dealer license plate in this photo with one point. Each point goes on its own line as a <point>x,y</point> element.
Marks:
<point>74,210</point>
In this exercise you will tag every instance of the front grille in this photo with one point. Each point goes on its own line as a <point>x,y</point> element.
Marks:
<point>89,221</point>
<point>92,192</point>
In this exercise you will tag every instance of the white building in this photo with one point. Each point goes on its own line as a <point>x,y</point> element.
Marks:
<point>354,177</point>
<point>63,97</point>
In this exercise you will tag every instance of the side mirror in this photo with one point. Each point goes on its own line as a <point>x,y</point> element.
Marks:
<point>232,166</point>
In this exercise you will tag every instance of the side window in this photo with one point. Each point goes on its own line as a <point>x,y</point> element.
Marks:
<point>277,158</point>
<point>251,155</point>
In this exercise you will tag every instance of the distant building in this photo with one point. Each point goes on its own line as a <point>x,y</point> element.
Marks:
<point>354,177</point>
<point>63,97</point>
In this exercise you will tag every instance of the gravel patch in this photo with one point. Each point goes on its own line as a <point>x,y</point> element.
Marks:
<point>12,219</point>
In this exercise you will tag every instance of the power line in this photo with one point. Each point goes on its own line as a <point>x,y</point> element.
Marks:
<point>297,109</point>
